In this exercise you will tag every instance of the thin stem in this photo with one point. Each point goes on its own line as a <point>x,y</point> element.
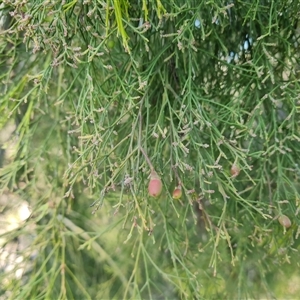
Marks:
<point>177,176</point>
<point>147,159</point>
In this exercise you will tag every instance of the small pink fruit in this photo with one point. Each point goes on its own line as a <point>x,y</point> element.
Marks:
<point>285,221</point>
<point>155,185</point>
<point>177,193</point>
<point>235,170</point>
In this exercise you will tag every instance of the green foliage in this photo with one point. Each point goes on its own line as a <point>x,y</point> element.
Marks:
<point>206,94</point>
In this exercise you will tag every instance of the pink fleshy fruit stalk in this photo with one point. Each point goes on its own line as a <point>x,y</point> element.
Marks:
<point>177,193</point>
<point>155,185</point>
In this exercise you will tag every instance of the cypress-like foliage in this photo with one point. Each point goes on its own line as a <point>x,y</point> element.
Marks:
<point>97,97</point>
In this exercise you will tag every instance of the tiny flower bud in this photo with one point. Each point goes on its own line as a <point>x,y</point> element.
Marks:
<point>155,185</point>
<point>110,44</point>
<point>285,221</point>
<point>235,170</point>
<point>177,193</point>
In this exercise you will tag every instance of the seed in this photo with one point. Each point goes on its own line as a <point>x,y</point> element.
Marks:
<point>285,221</point>
<point>177,193</point>
<point>155,185</point>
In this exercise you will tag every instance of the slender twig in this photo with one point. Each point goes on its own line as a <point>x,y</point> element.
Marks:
<point>177,176</point>
<point>140,138</point>
<point>147,159</point>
